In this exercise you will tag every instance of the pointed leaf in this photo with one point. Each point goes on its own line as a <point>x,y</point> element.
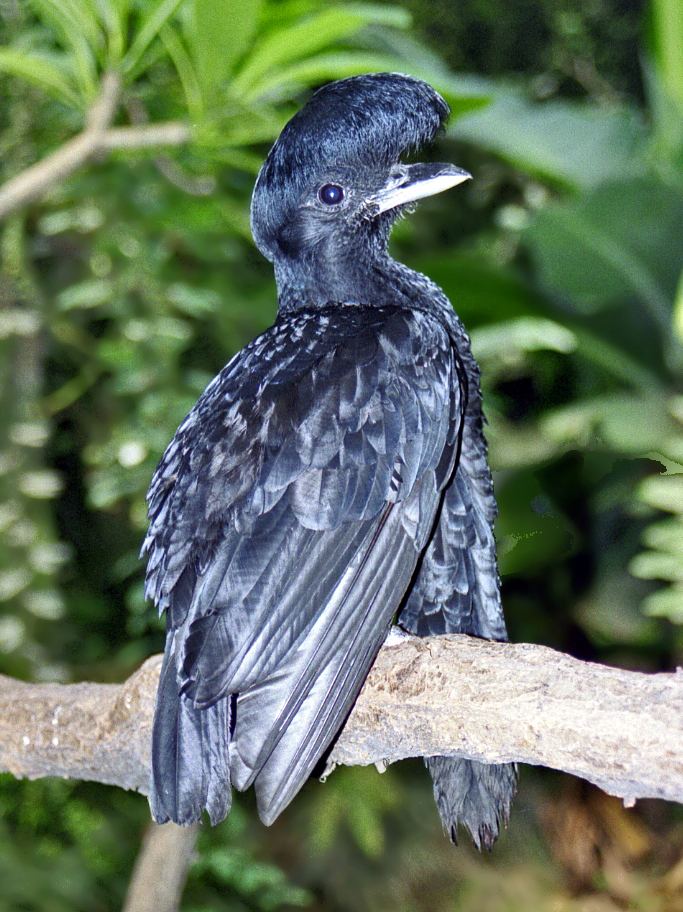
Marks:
<point>220,34</point>
<point>65,24</point>
<point>318,69</point>
<point>667,19</point>
<point>574,144</point>
<point>151,25</point>
<point>185,69</point>
<point>666,535</point>
<point>42,70</point>
<point>612,243</point>
<point>657,565</point>
<point>462,92</point>
<point>298,41</point>
<point>85,17</point>
<point>510,339</point>
<point>678,310</point>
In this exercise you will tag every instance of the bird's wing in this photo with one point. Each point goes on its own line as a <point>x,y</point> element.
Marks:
<point>287,518</point>
<point>457,588</point>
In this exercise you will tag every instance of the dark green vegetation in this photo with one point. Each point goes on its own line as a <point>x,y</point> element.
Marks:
<point>127,287</point>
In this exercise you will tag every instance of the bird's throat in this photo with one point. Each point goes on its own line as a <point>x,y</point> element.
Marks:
<point>371,278</point>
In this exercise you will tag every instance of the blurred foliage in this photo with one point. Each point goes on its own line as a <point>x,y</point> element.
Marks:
<point>126,289</point>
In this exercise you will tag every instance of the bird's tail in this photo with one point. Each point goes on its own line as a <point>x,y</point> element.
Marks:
<point>457,591</point>
<point>190,755</point>
<point>476,795</point>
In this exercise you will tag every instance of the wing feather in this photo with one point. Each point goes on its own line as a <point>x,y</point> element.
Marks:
<point>457,591</point>
<point>343,667</point>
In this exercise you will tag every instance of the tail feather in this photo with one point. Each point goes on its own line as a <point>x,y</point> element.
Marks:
<point>190,755</point>
<point>457,591</point>
<point>476,795</point>
<point>216,753</point>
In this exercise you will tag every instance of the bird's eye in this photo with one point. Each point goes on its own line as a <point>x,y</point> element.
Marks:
<point>331,194</point>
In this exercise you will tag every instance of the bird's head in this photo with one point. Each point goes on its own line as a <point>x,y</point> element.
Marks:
<point>334,182</point>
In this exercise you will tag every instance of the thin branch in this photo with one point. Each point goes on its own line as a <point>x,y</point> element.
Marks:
<point>167,166</point>
<point>98,138</point>
<point>172,133</point>
<point>161,869</point>
<point>103,111</point>
<point>494,702</point>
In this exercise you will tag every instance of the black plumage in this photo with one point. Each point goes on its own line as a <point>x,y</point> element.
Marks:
<point>332,477</point>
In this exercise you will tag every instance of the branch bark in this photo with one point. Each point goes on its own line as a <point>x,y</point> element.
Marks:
<point>494,702</point>
<point>161,868</point>
<point>97,138</point>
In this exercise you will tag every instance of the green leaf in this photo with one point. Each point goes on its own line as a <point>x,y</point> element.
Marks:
<point>531,531</point>
<point>114,17</point>
<point>462,92</point>
<point>185,70</point>
<point>317,69</point>
<point>666,603</point>
<point>245,126</point>
<point>89,13</point>
<point>193,300</point>
<point>665,539</point>
<point>481,290</point>
<point>508,341</point>
<point>657,565</point>
<point>219,35</point>
<point>151,25</point>
<point>667,20</point>
<point>301,40</point>
<point>666,535</point>
<point>366,827</point>
<point>87,294</point>
<point>65,23</point>
<point>69,15</point>
<point>667,126</point>
<point>613,359</point>
<point>613,243</point>
<point>628,424</point>
<point>678,311</point>
<point>578,145</point>
<point>42,70</point>
<point>380,14</point>
<point>664,492</point>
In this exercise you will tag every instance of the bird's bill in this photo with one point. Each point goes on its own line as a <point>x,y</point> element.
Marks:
<point>417,181</point>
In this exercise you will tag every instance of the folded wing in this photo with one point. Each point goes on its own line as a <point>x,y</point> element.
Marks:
<point>287,519</point>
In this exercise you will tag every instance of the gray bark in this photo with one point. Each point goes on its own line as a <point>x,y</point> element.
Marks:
<point>161,869</point>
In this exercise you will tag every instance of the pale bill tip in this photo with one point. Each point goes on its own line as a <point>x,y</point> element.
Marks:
<point>417,190</point>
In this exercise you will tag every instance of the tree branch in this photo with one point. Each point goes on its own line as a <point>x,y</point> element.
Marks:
<point>98,138</point>
<point>172,133</point>
<point>161,869</point>
<point>495,702</point>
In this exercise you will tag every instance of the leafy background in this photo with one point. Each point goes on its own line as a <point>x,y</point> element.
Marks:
<point>130,284</point>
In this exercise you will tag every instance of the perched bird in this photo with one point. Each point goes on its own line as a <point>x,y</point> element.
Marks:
<point>333,477</point>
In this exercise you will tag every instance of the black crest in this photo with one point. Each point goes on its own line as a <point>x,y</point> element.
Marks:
<point>380,116</point>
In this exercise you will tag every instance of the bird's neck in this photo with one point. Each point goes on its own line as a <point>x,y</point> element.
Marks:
<point>374,280</point>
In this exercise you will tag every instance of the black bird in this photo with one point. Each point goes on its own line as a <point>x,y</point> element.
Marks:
<point>332,477</point>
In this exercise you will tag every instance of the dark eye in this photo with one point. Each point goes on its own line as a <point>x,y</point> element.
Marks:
<point>331,194</point>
